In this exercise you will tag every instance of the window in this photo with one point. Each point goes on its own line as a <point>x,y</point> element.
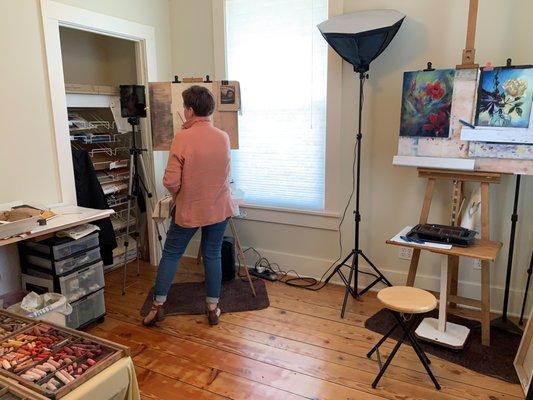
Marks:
<point>276,52</point>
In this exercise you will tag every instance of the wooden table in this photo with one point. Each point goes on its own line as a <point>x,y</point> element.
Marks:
<point>443,332</point>
<point>67,217</point>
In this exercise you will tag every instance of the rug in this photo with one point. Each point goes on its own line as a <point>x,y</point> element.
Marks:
<point>495,360</point>
<point>189,298</point>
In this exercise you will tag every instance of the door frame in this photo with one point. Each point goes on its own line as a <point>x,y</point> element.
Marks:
<point>55,15</point>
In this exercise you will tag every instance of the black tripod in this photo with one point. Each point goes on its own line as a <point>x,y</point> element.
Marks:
<point>135,189</point>
<point>356,251</point>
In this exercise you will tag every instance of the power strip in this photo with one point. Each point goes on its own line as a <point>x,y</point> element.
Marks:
<point>266,274</point>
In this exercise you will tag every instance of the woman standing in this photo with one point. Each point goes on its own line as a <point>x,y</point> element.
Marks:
<point>197,176</point>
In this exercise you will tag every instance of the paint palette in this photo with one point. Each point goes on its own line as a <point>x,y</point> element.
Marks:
<point>10,325</point>
<point>50,360</point>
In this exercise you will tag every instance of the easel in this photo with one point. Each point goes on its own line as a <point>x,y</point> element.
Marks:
<point>459,177</point>
<point>240,254</point>
<point>469,52</point>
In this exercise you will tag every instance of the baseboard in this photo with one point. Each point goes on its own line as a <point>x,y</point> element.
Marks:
<point>315,268</point>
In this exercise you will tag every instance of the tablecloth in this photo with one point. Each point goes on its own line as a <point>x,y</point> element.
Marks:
<point>117,382</point>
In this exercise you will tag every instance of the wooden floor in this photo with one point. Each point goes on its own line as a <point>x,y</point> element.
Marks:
<point>298,348</point>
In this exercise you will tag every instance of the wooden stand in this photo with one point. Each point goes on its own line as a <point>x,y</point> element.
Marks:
<point>485,253</point>
<point>240,254</point>
<point>469,52</point>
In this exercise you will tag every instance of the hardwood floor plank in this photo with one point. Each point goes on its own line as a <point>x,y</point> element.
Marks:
<point>362,372</point>
<point>253,370</point>
<point>298,347</point>
<point>216,380</point>
<point>155,386</point>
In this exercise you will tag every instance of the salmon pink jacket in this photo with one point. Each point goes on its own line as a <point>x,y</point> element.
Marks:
<point>197,174</point>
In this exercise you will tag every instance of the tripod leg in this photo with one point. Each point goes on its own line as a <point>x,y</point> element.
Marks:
<point>338,267</point>
<point>241,254</point>
<point>150,197</point>
<point>348,286</point>
<point>126,239</point>
<point>199,256</point>
<point>529,272</point>
<point>138,258</point>
<point>383,278</point>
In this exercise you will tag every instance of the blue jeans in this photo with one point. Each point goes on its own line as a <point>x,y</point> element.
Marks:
<point>177,240</point>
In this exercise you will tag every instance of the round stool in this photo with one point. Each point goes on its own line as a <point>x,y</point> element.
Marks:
<point>406,304</point>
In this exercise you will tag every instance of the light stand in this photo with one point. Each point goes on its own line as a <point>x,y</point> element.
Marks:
<point>503,322</point>
<point>136,184</point>
<point>359,38</point>
<point>356,251</point>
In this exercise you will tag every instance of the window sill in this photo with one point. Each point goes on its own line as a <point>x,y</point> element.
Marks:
<point>311,219</point>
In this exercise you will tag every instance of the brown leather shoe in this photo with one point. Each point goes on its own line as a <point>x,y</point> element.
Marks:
<point>156,314</point>
<point>213,316</point>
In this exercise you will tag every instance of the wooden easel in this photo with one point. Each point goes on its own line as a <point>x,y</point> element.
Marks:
<point>240,254</point>
<point>469,52</point>
<point>485,179</point>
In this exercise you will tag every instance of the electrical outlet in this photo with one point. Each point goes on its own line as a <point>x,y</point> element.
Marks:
<point>477,264</point>
<point>406,253</point>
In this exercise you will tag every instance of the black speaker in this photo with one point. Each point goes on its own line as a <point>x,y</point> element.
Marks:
<point>132,101</point>
<point>228,259</point>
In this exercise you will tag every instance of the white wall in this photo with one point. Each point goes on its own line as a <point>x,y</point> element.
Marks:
<point>391,196</point>
<point>90,58</point>
<point>28,165</point>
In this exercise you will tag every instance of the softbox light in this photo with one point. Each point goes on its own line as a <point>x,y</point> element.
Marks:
<point>361,36</point>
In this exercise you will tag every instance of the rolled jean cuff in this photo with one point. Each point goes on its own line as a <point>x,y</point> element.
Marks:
<point>211,300</point>
<point>160,298</point>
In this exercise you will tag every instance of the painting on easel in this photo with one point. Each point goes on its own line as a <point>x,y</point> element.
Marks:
<point>426,103</point>
<point>505,96</point>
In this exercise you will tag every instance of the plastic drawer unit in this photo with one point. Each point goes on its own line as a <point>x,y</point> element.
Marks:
<point>60,248</point>
<point>61,267</point>
<point>86,310</point>
<point>73,286</point>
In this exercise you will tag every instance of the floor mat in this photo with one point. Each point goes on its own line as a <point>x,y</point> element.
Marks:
<point>495,360</point>
<point>189,298</point>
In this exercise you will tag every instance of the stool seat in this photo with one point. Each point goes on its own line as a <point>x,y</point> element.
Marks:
<point>407,299</point>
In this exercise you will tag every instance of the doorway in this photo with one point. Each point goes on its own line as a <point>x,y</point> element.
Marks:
<point>67,23</point>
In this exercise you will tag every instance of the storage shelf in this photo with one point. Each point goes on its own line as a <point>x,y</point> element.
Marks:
<point>110,149</point>
<point>94,138</point>
<point>91,89</point>
<point>116,175</point>
<point>114,187</point>
<point>93,128</point>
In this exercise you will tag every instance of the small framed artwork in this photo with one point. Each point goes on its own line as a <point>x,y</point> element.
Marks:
<point>505,96</point>
<point>426,103</point>
<point>523,362</point>
<point>228,96</point>
<point>503,111</point>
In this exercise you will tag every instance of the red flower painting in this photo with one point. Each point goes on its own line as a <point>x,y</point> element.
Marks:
<point>437,123</point>
<point>434,90</point>
<point>426,103</point>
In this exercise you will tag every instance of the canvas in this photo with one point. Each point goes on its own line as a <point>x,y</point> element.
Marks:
<point>501,150</point>
<point>426,103</point>
<point>504,97</point>
<point>167,113</point>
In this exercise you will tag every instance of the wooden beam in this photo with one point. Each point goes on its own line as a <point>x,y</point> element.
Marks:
<point>469,52</point>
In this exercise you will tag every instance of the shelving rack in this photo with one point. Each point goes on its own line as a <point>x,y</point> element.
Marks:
<point>96,126</point>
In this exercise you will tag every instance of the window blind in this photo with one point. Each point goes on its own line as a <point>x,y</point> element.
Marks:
<point>276,52</point>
